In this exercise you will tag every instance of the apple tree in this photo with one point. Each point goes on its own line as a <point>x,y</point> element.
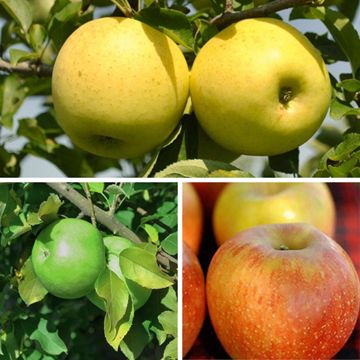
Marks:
<point>130,312</point>
<point>33,33</point>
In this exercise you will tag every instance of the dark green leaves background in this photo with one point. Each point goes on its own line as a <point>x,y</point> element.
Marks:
<point>132,311</point>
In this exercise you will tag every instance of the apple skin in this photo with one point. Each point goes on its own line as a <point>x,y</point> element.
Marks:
<point>193,300</point>
<point>209,192</point>
<point>127,93</point>
<point>244,205</point>
<point>68,256</point>
<point>239,77</point>
<point>300,303</point>
<point>192,218</point>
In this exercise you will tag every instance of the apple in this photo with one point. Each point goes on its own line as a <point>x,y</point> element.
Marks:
<point>68,256</point>
<point>119,87</point>
<point>192,218</point>
<point>282,291</point>
<point>244,205</point>
<point>209,192</point>
<point>193,300</point>
<point>259,87</point>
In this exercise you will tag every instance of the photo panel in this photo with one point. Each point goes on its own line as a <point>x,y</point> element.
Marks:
<point>271,270</point>
<point>88,270</point>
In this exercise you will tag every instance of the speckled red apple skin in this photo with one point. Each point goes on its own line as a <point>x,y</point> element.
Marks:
<point>282,304</point>
<point>193,298</point>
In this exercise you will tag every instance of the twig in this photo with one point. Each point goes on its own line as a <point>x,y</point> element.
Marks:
<point>114,203</point>
<point>105,219</point>
<point>91,205</point>
<point>229,6</point>
<point>227,18</point>
<point>26,68</point>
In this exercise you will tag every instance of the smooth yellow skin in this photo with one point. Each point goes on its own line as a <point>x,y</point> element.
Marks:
<point>243,205</point>
<point>236,81</point>
<point>119,87</point>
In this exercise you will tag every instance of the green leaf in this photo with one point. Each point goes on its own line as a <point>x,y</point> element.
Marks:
<point>173,23</point>
<point>339,109</point>
<point>20,11</point>
<point>340,28</point>
<point>169,300</point>
<point>201,168</point>
<point>126,217</point>
<point>30,129</point>
<point>135,341</point>
<point>171,349</point>
<point>4,195</point>
<point>96,187</point>
<point>49,341</point>
<point>351,85</point>
<point>118,305</point>
<point>30,288</point>
<point>343,169</point>
<point>168,320</point>
<point>141,267</point>
<point>286,163</point>
<point>152,232</point>
<point>169,244</point>
<point>116,244</point>
<point>17,55</point>
<point>37,36</point>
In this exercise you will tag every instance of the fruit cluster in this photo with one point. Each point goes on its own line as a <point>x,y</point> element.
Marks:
<point>120,88</point>
<point>278,286</point>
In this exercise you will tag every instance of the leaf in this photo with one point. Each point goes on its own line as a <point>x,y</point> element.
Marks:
<point>135,340</point>
<point>286,163</point>
<point>118,305</point>
<point>170,299</point>
<point>4,195</point>
<point>141,267</point>
<point>169,244</point>
<point>351,85</point>
<point>152,232</point>
<point>201,168</point>
<point>168,320</point>
<point>340,28</point>
<point>49,209</point>
<point>126,217</point>
<point>96,187</point>
<point>20,11</point>
<point>49,341</point>
<point>37,36</point>
<point>173,23</point>
<point>339,109</point>
<point>116,244</point>
<point>30,288</point>
<point>171,349</point>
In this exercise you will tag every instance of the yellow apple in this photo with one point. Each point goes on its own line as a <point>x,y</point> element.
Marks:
<point>259,87</point>
<point>244,205</point>
<point>119,87</point>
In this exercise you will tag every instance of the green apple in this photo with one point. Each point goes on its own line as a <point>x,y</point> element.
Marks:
<point>244,205</point>
<point>68,256</point>
<point>119,87</point>
<point>284,291</point>
<point>259,87</point>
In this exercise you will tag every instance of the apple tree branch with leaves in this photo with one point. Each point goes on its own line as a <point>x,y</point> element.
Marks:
<point>33,36</point>
<point>130,310</point>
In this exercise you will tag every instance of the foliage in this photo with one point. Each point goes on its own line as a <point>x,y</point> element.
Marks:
<point>190,25</point>
<point>132,311</point>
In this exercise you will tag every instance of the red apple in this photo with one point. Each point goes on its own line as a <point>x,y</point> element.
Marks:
<point>209,192</point>
<point>244,205</point>
<point>193,298</point>
<point>282,291</point>
<point>192,217</point>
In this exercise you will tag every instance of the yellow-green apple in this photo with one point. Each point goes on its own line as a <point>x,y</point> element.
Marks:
<point>244,205</point>
<point>259,87</point>
<point>192,218</point>
<point>68,256</point>
<point>193,300</point>
<point>119,87</point>
<point>282,291</point>
<point>209,192</point>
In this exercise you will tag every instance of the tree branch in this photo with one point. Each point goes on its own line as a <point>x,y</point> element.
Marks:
<point>103,217</point>
<point>91,205</point>
<point>228,18</point>
<point>26,68</point>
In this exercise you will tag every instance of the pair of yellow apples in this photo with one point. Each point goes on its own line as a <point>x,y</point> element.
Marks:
<point>120,87</point>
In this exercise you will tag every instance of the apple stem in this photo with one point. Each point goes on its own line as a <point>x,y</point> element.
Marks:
<point>285,95</point>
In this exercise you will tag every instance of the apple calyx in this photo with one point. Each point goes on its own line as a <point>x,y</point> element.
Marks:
<point>283,247</point>
<point>285,95</point>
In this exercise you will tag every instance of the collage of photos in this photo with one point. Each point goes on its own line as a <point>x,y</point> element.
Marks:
<point>179,179</point>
